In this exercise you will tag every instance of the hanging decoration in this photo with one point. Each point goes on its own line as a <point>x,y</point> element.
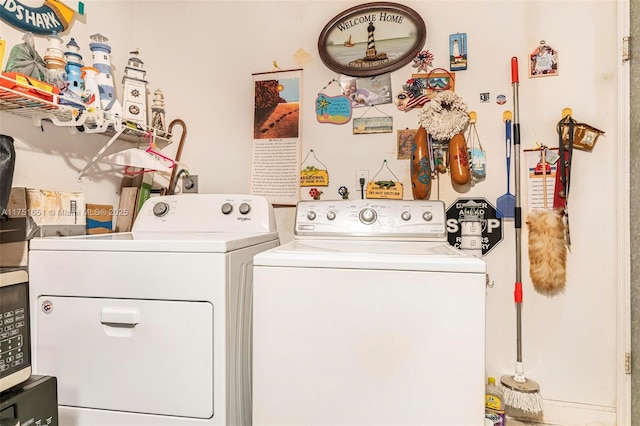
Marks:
<point>445,116</point>
<point>477,155</point>
<point>413,95</point>
<point>421,165</point>
<point>368,125</point>
<point>458,51</point>
<point>388,189</point>
<point>584,135</point>
<point>543,61</point>
<point>423,60</point>
<point>312,175</point>
<point>315,193</point>
<point>333,109</point>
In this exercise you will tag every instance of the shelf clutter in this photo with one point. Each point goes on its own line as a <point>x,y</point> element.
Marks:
<point>38,101</point>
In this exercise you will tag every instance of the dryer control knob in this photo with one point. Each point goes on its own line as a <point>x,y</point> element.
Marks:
<point>427,216</point>
<point>311,215</point>
<point>226,208</point>
<point>331,215</point>
<point>405,216</point>
<point>160,209</point>
<point>244,208</point>
<point>368,216</point>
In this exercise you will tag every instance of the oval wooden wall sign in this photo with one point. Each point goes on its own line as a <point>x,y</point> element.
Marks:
<point>372,39</point>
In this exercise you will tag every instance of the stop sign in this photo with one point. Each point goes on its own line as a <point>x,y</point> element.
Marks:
<point>491,224</point>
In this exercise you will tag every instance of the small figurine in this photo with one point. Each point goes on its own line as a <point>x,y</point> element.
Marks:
<point>344,192</point>
<point>315,193</point>
<point>101,52</point>
<point>135,90</point>
<point>157,111</point>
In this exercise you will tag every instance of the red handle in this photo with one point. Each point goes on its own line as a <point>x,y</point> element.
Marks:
<point>514,70</point>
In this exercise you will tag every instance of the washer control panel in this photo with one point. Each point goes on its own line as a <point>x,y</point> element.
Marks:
<point>397,219</point>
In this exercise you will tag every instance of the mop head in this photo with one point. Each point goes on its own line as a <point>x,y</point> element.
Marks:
<point>547,251</point>
<point>521,396</point>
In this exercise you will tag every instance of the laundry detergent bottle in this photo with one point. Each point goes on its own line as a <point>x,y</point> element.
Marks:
<point>494,404</point>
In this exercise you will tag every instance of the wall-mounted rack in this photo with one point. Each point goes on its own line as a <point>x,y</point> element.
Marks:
<point>40,105</point>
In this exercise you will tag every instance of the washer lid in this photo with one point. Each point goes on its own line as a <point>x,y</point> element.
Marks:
<point>203,242</point>
<point>363,254</point>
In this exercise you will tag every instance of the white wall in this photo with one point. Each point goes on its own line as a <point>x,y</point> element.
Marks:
<point>201,54</point>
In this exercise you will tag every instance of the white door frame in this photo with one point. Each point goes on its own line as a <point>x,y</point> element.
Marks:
<point>623,399</point>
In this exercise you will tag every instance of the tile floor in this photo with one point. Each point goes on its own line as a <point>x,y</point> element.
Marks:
<point>513,422</point>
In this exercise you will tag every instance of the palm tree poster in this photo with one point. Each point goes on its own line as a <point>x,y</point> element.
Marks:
<point>277,105</point>
<point>276,147</point>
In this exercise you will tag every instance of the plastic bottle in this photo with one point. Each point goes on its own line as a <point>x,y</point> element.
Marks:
<point>494,404</point>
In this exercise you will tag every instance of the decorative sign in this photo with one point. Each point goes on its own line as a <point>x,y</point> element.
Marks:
<point>368,125</point>
<point>312,176</point>
<point>372,39</point>
<point>333,109</point>
<point>491,225</point>
<point>458,52</point>
<point>384,189</point>
<point>50,18</point>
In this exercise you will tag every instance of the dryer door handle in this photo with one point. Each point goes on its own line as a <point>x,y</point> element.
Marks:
<point>120,316</point>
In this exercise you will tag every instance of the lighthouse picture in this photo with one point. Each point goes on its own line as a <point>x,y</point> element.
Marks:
<point>458,52</point>
<point>101,52</point>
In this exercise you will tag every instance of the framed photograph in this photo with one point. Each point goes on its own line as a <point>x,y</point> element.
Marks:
<point>372,39</point>
<point>543,61</point>
<point>405,143</point>
<point>365,92</point>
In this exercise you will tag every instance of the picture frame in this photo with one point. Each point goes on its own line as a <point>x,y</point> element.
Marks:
<point>441,80</point>
<point>372,39</point>
<point>543,61</point>
<point>405,143</point>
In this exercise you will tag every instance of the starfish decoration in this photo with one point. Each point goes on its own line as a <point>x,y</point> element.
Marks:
<point>323,103</point>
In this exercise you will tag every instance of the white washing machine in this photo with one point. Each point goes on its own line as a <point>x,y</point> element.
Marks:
<point>153,326</point>
<point>368,317</point>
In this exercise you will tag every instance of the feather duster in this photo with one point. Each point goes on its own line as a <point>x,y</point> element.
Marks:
<point>547,251</point>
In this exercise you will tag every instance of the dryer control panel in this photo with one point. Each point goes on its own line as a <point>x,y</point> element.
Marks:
<point>376,219</point>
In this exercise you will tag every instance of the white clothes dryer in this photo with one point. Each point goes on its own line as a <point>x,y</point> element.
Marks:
<point>153,326</point>
<point>368,317</point>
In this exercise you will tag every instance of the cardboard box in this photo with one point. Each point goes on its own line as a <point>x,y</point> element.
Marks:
<point>41,213</point>
<point>99,219</point>
<point>14,254</point>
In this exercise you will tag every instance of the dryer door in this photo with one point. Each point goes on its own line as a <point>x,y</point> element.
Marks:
<point>163,352</point>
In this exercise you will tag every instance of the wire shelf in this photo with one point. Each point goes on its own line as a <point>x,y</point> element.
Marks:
<point>30,101</point>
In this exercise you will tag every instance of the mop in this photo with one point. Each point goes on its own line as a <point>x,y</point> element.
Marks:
<point>520,393</point>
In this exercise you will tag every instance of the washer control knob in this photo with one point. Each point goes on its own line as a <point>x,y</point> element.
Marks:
<point>331,215</point>
<point>160,209</point>
<point>227,208</point>
<point>311,215</point>
<point>244,208</point>
<point>405,216</point>
<point>427,216</point>
<point>368,216</point>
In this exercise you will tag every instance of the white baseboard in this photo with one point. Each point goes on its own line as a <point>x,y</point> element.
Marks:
<point>574,414</point>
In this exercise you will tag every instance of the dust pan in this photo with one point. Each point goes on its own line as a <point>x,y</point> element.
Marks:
<point>506,204</point>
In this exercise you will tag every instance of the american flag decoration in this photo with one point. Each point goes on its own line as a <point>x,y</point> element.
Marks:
<point>411,96</point>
